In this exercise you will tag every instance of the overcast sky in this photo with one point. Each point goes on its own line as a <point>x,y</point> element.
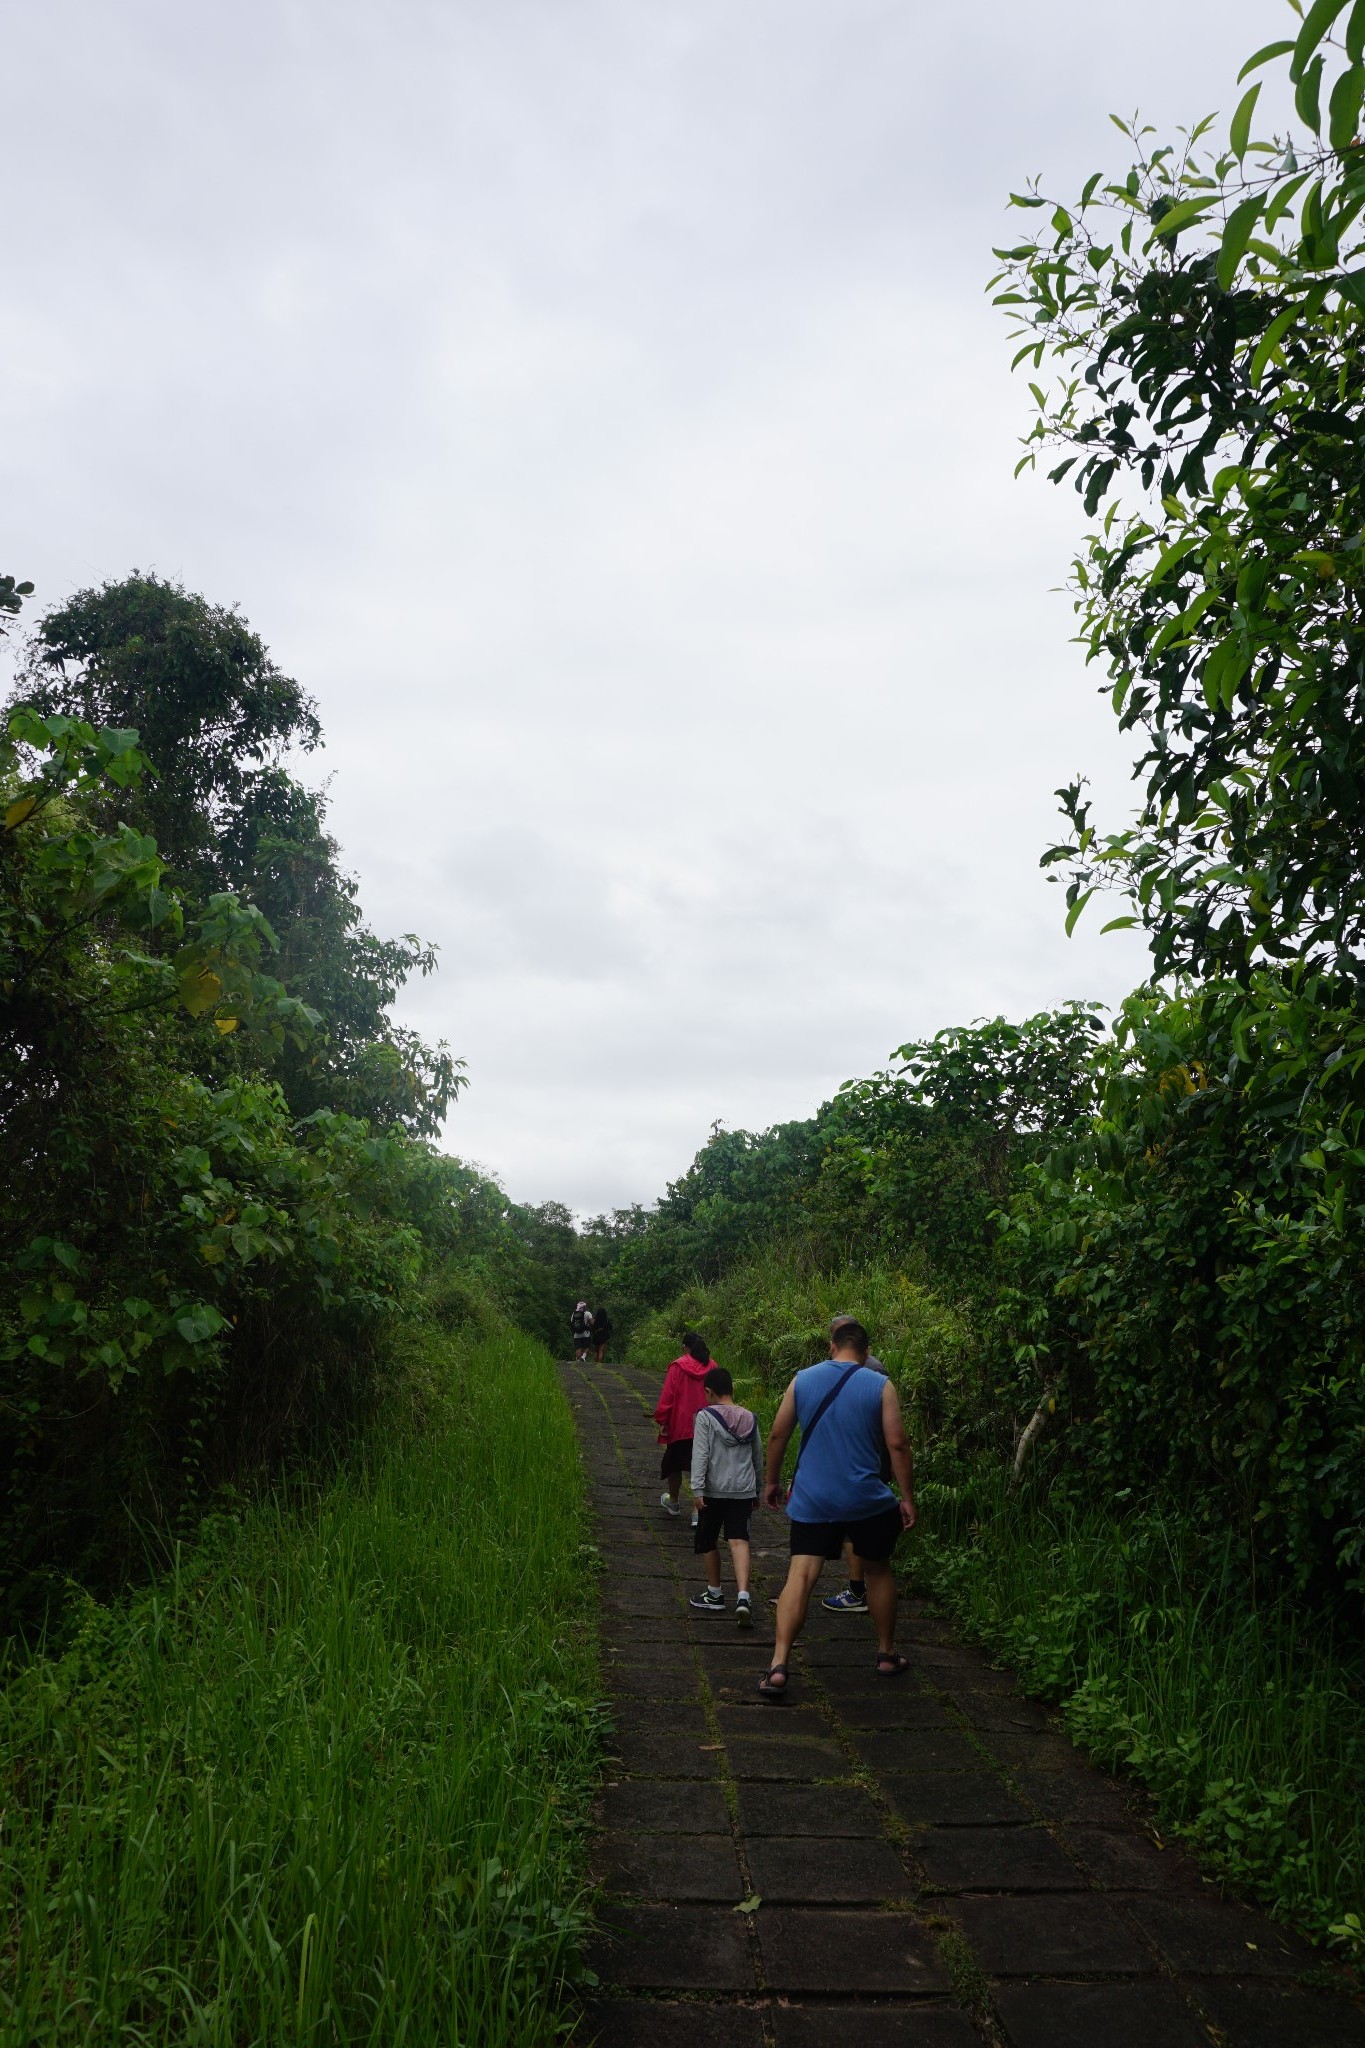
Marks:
<point>594,404</point>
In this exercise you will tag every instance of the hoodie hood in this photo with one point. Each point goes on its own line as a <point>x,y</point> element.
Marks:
<point>736,1422</point>
<point>693,1366</point>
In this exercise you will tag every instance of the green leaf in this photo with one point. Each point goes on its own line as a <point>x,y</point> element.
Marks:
<point>1264,56</point>
<point>751,1904</point>
<point>1352,287</point>
<point>1184,212</point>
<point>1239,133</point>
<point>1077,907</point>
<point>1355,33</point>
<point>1343,109</point>
<point>1316,23</point>
<point>1117,924</point>
<point>1270,341</point>
<point>1306,95</point>
<point>1238,232</point>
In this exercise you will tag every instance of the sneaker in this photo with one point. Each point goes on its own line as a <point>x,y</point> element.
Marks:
<point>847,1602</point>
<point>668,1504</point>
<point>744,1613</point>
<point>708,1602</point>
<point>694,1518</point>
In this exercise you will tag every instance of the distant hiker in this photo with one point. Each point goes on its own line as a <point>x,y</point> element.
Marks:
<point>853,1598</point>
<point>727,1472</point>
<point>582,1331</point>
<point>601,1330</point>
<point>683,1396</point>
<point>846,1414</point>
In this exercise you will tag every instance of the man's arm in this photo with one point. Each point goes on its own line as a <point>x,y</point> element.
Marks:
<point>784,1422</point>
<point>898,1448</point>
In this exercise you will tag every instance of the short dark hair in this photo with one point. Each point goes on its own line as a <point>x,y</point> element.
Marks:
<point>849,1335</point>
<point>695,1347</point>
<point>718,1381</point>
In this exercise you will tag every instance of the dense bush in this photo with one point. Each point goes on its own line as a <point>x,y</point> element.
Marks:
<point>216,1201</point>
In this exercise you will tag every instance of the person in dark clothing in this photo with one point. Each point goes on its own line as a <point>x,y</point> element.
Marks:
<point>581,1324</point>
<point>601,1330</point>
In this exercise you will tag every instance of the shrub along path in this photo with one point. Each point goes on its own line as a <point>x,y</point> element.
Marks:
<point>936,1864</point>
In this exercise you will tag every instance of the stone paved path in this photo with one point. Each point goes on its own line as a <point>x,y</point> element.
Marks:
<point>937,1865</point>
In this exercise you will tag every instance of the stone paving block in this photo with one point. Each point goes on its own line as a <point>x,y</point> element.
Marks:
<point>1266,2015</point>
<point>646,1682</point>
<point>795,1757</point>
<point>839,1872</point>
<point>893,1709</point>
<point>916,1749</point>
<point>1125,1860</point>
<point>640,1753</point>
<point>995,1860</point>
<point>873,2026</point>
<point>681,1867</point>
<point>671,1948</point>
<point>981,1678</point>
<point>823,1810</point>
<point>1033,1751</point>
<point>755,1717</point>
<point>1216,1937</point>
<point>806,1949</point>
<point>639,1806</point>
<point>685,1717</point>
<point>1078,1794</point>
<point>1001,1714</point>
<point>658,2023</point>
<point>952,1799</point>
<point>860,1682</point>
<point>1098,2016</point>
<point>1075,1934</point>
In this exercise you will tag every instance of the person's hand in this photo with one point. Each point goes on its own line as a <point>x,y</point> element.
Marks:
<point>698,1500</point>
<point>908,1514</point>
<point>772,1494</point>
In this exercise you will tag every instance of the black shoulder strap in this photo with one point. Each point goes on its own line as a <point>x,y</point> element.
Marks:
<point>808,1428</point>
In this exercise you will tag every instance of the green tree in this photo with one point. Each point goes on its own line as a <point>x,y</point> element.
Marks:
<point>215,720</point>
<point>1206,312</point>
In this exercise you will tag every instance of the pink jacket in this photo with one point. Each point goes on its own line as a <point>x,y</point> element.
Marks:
<point>682,1399</point>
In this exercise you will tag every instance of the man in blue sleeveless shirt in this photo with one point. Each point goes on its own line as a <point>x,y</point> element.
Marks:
<point>846,1413</point>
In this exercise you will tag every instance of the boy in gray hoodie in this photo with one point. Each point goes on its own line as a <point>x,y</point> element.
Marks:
<point>727,1477</point>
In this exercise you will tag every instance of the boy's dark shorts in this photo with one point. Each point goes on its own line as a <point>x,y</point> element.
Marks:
<point>729,1518</point>
<point>873,1538</point>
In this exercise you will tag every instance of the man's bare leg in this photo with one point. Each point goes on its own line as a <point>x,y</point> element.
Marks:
<point>803,1575</point>
<point>883,1598</point>
<point>739,1559</point>
<point>674,1486</point>
<point>711,1564</point>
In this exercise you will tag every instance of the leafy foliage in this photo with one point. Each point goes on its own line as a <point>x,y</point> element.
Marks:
<point>1207,312</point>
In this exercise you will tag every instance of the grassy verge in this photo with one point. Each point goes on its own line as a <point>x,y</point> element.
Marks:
<point>1246,1722</point>
<point>325,1781</point>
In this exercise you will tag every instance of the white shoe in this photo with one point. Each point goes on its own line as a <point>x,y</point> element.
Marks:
<point>744,1613</point>
<point>668,1504</point>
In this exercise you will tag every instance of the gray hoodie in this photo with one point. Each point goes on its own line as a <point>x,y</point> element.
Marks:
<point>727,1454</point>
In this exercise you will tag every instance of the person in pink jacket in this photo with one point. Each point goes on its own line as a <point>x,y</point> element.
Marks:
<point>680,1403</point>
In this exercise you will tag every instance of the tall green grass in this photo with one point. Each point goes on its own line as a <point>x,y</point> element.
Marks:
<point>1243,1715</point>
<point>325,1781</point>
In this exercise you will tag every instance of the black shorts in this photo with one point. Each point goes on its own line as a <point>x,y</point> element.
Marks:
<point>677,1458</point>
<point>722,1517</point>
<point>873,1538</point>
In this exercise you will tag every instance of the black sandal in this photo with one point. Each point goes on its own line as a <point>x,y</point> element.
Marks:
<point>891,1664</point>
<point>769,1691</point>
